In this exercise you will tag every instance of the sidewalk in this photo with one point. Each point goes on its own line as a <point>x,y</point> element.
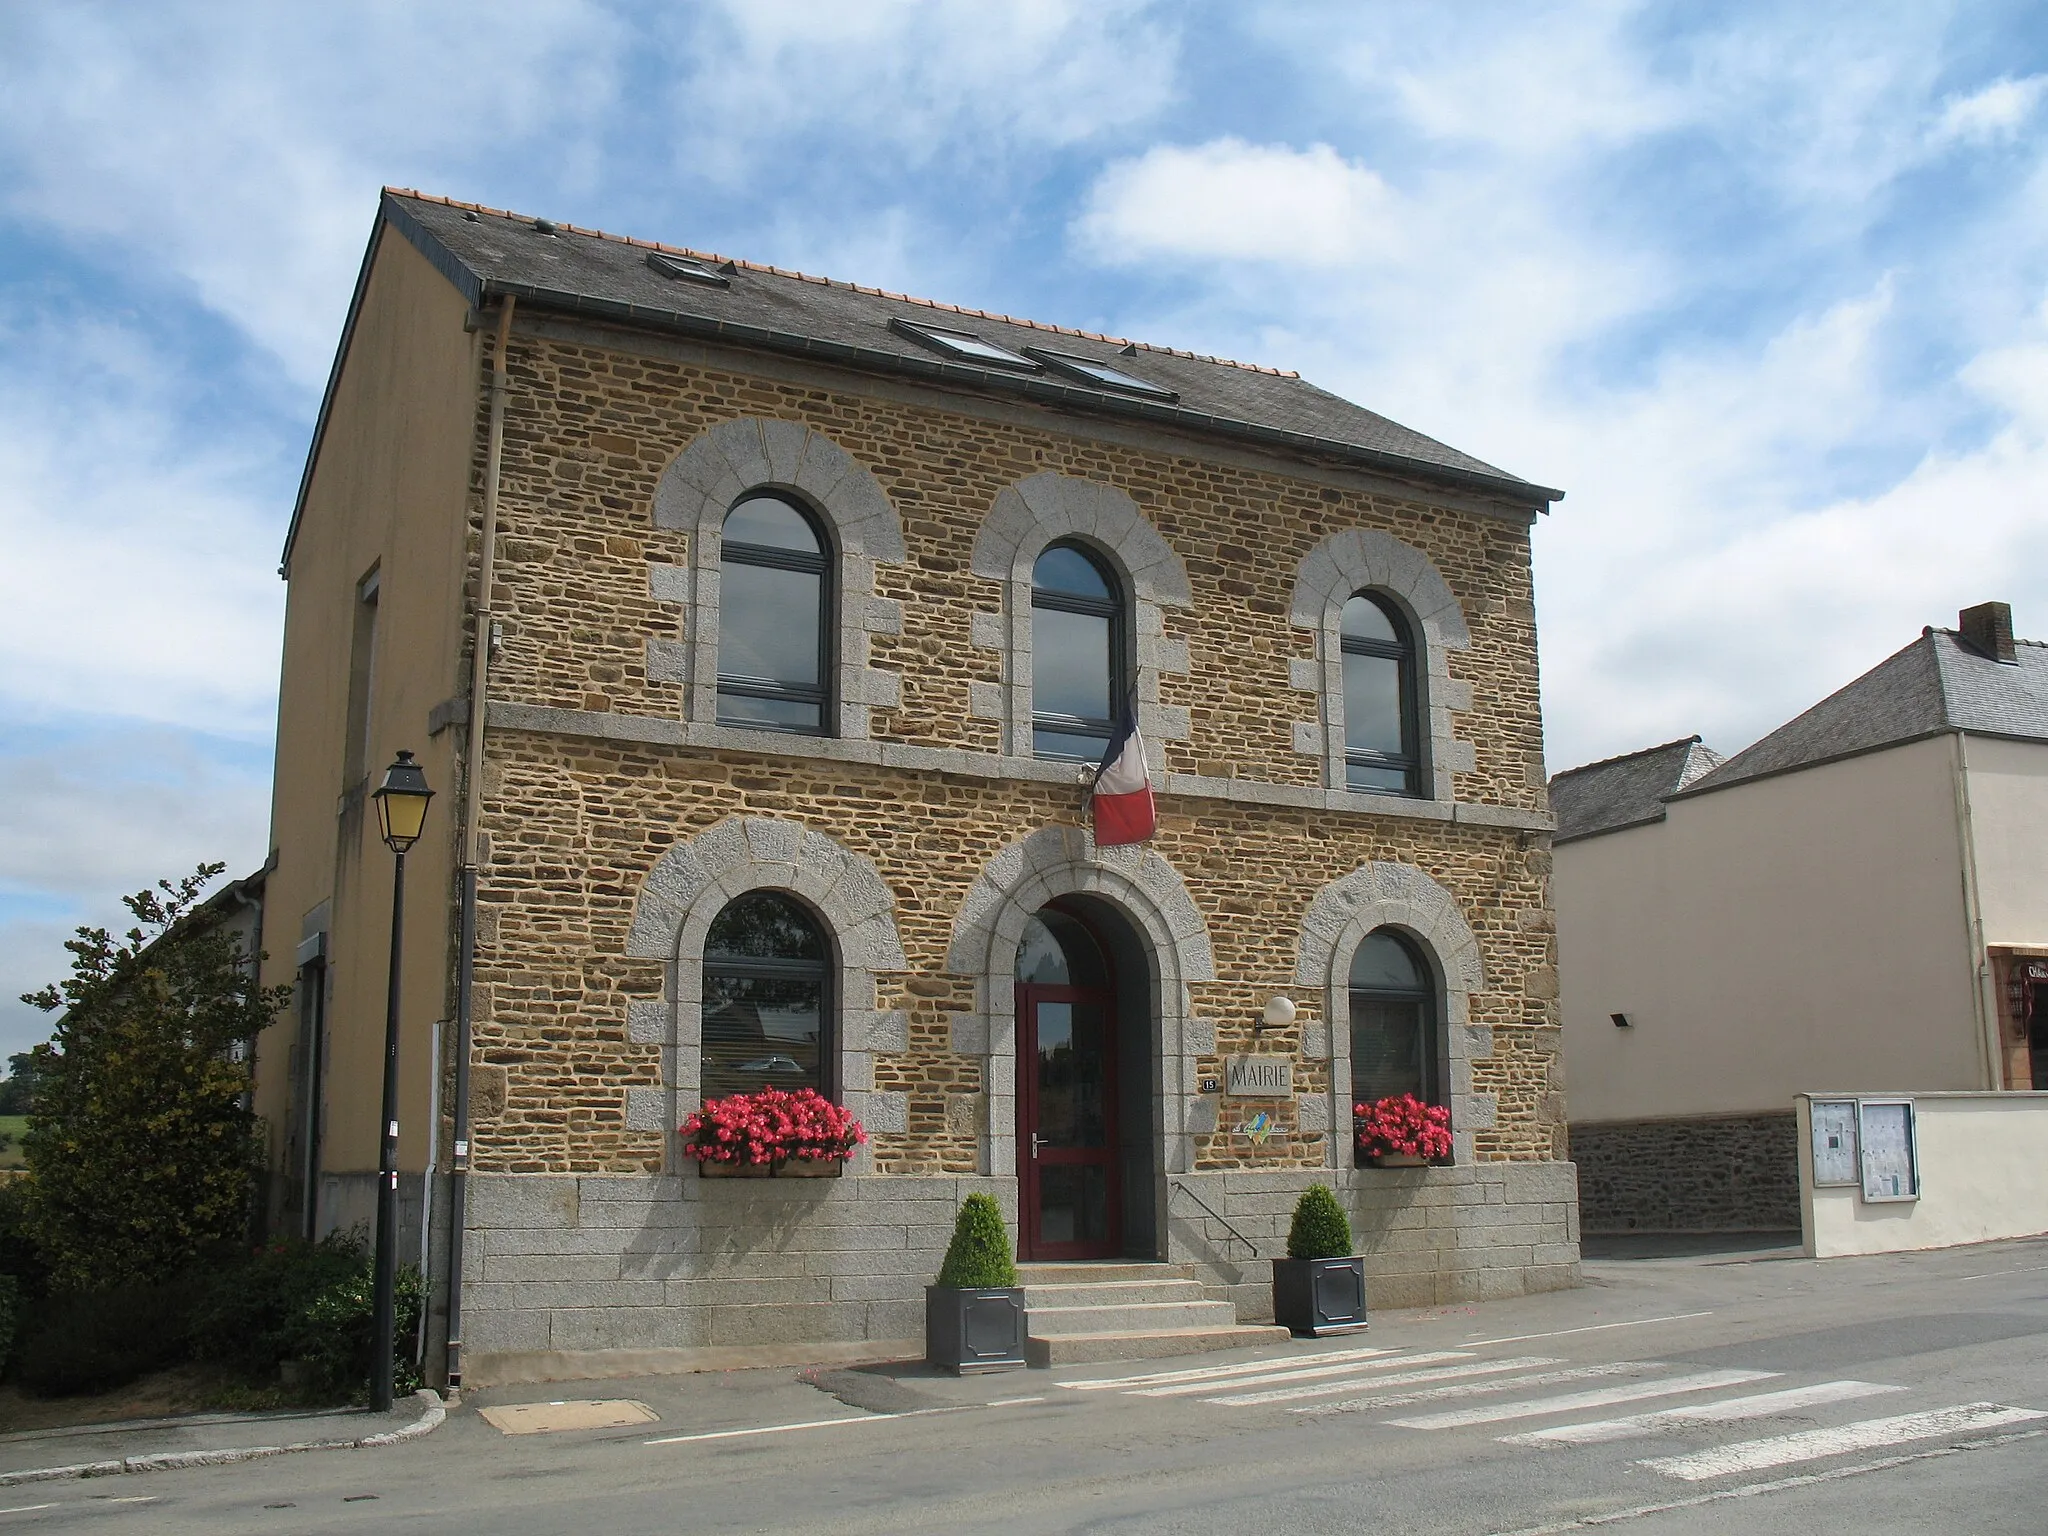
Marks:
<point>206,1439</point>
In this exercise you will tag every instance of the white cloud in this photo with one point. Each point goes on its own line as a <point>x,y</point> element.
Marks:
<point>1232,201</point>
<point>915,81</point>
<point>235,149</point>
<point>1998,111</point>
<point>141,543</point>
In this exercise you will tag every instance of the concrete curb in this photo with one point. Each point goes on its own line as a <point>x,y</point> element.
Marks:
<point>433,1411</point>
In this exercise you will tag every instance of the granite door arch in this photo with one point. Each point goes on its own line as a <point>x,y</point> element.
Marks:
<point>1156,943</point>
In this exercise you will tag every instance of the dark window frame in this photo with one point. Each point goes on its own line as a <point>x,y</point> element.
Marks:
<point>1436,1066</point>
<point>824,971</point>
<point>1115,608</point>
<point>825,565</point>
<point>1408,762</point>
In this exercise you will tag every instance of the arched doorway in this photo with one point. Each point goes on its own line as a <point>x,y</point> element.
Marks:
<point>1069,1136</point>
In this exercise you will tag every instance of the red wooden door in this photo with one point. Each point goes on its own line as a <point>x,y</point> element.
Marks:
<point>1067,1161</point>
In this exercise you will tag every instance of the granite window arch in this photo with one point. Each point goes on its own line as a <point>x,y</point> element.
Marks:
<point>769,1014</point>
<point>1406,902</point>
<point>1047,509</point>
<point>1079,672</point>
<point>1377,655</point>
<point>775,600</point>
<point>1395,1017</point>
<point>1405,585</point>
<point>686,890</point>
<point>858,528</point>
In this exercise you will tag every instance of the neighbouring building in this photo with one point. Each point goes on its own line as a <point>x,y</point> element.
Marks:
<point>1857,903</point>
<point>808,609</point>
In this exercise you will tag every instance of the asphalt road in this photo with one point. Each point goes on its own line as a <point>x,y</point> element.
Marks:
<point>1758,1392</point>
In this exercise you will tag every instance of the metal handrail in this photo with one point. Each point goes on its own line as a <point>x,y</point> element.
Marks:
<point>1173,1184</point>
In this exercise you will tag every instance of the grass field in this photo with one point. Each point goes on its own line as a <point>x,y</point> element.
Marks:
<point>11,1126</point>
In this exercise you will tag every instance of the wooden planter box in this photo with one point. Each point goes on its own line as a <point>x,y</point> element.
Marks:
<point>1313,1297</point>
<point>971,1331</point>
<point>1396,1160</point>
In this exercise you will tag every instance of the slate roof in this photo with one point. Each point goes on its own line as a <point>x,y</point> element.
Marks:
<point>487,252</point>
<point>1938,683</point>
<point>1626,791</point>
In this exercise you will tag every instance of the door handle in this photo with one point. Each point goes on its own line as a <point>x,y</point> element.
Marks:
<point>1037,1141</point>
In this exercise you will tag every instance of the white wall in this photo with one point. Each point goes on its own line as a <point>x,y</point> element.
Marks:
<point>1790,931</point>
<point>2009,816</point>
<point>1983,1176</point>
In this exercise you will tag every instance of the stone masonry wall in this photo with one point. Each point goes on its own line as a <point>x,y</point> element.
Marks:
<point>1737,1173</point>
<point>590,429</point>
<point>561,1265</point>
<point>574,826</point>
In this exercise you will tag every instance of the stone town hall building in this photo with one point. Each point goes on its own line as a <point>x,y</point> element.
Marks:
<point>808,607</point>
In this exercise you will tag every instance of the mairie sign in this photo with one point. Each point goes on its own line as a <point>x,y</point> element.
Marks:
<point>1259,1077</point>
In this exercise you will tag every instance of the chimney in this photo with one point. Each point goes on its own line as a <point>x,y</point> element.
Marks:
<point>1987,630</point>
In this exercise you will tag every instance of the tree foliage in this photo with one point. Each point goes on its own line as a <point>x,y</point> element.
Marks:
<point>143,1151</point>
<point>18,1091</point>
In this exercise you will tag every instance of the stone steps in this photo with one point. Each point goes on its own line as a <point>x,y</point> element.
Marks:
<point>1081,1312</point>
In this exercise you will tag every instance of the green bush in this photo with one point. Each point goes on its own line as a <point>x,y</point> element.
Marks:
<point>20,1258</point>
<point>307,1302</point>
<point>10,1310</point>
<point>104,1339</point>
<point>1319,1230</point>
<point>978,1258</point>
<point>143,1150</point>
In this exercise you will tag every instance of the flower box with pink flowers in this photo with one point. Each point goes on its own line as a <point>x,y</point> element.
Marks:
<point>771,1134</point>
<point>1401,1132</point>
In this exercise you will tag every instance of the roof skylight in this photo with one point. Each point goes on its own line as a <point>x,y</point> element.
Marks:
<point>964,347</point>
<point>686,269</point>
<point>1093,372</point>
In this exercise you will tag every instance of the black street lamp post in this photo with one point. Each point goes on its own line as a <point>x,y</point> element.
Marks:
<point>401,813</point>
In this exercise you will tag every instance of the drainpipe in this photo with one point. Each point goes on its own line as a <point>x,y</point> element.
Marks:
<point>1984,1003</point>
<point>472,798</point>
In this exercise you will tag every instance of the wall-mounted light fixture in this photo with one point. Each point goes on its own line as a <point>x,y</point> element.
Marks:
<point>1622,1021</point>
<point>1279,1014</point>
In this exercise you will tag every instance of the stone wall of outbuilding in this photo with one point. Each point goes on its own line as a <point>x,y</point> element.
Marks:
<point>1706,1173</point>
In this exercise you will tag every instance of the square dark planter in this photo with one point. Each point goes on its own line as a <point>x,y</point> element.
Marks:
<point>1313,1297</point>
<point>969,1331</point>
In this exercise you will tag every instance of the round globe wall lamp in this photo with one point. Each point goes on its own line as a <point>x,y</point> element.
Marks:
<point>1279,1014</point>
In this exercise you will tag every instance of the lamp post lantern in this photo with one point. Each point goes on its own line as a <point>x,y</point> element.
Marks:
<point>401,812</point>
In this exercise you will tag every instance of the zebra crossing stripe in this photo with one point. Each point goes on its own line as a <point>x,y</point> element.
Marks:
<point>1813,1444</point>
<point>1572,1402</point>
<point>1306,1373</point>
<point>1403,1378</point>
<point>1218,1372</point>
<point>1732,1410</point>
<point>1480,1388</point>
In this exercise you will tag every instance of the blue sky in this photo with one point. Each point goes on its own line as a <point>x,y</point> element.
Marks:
<point>1763,287</point>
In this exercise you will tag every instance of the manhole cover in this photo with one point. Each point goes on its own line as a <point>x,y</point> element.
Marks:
<point>586,1413</point>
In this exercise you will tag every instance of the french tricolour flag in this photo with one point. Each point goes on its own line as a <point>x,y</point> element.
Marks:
<point>1123,788</point>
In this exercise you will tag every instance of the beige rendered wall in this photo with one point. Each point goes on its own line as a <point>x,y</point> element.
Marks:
<point>2008,784</point>
<point>1794,930</point>
<point>1983,1176</point>
<point>388,493</point>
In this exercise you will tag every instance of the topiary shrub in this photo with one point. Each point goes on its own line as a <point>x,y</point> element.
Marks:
<point>1320,1230</point>
<point>979,1258</point>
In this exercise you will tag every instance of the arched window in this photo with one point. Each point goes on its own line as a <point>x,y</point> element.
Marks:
<point>1394,1045</point>
<point>1379,699</point>
<point>1077,650</point>
<point>768,1006</point>
<point>774,590</point>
